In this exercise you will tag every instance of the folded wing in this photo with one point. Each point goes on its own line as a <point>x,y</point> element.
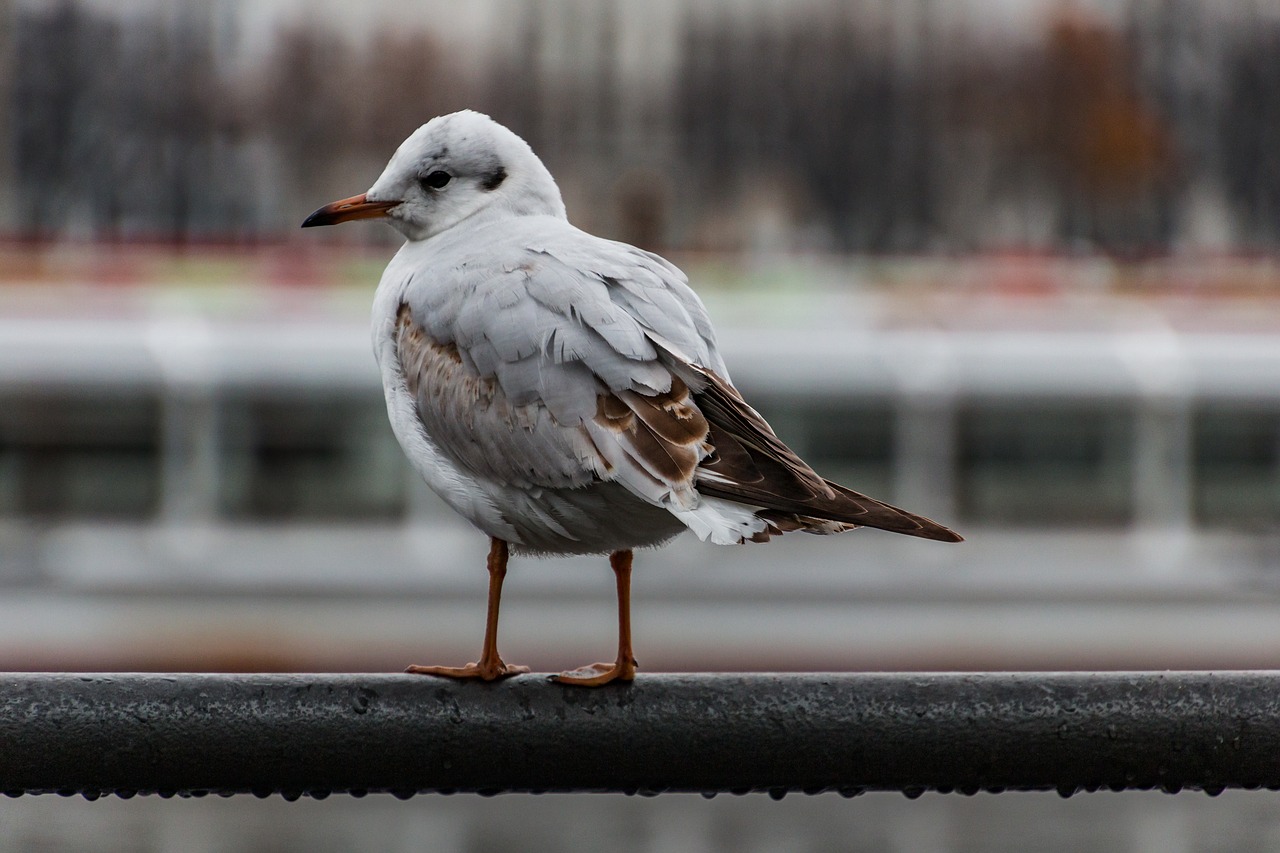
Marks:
<point>751,465</point>
<point>565,364</point>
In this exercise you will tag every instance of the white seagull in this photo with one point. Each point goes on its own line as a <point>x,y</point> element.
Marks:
<point>563,392</point>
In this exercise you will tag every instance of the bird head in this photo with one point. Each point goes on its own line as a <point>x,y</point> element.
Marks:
<point>455,167</point>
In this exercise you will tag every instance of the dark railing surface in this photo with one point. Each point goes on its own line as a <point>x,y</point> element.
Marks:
<point>314,735</point>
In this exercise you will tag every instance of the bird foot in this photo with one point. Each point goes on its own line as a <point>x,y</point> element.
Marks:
<point>596,674</point>
<point>484,670</point>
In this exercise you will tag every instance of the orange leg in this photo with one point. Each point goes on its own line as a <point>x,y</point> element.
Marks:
<point>490,665</point>
<point>624,668</point>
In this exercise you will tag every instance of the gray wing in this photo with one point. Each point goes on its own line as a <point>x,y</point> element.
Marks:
<point>578,359</point>
<point>655,293</point>
<point>539,368</point>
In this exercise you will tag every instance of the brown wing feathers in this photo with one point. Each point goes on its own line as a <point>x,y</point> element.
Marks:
<point>706,437</point>
<point>752,465</point>
<point>664,433</point>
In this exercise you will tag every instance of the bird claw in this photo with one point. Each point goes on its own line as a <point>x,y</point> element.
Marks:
<point>597,674</point>
<point>483,670</point>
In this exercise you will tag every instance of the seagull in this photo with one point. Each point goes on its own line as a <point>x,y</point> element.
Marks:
<point>563,392</point>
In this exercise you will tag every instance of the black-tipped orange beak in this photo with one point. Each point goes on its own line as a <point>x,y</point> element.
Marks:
<point>344,210</point>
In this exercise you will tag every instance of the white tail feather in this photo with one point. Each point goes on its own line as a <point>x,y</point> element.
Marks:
<point>720,522</point>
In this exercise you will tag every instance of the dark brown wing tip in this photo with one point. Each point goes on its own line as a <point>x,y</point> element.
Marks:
<point>943,534</point>
<point>923,528</point>
<point>918,526</point>
<point>896,519</point>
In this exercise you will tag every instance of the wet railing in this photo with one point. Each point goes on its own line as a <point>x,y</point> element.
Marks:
<point>315,735</point>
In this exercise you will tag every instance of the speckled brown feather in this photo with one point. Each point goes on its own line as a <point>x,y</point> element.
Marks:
<point>474,418</point>
<point>664,432</point>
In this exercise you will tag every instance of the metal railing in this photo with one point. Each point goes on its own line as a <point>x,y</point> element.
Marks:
<point>314,735</point>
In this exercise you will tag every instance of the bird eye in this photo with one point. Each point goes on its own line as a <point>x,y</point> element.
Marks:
<point>436,180</point>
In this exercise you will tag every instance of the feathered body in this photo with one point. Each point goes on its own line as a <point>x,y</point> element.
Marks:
<point>564,392</point>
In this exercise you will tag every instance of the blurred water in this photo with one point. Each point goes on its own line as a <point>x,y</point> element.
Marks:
<point>1236,821</point>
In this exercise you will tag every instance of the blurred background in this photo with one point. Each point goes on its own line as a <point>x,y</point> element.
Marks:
<point>1014,264</point>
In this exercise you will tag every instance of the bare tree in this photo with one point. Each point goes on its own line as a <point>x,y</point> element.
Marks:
<point>114,129</point>
<point>1250,134</point>
<point>822,104</point>
<point>406,79</point>
<point>1109,152</point>
<point>309,100</point>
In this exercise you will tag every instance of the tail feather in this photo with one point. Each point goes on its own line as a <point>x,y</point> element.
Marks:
<point>888,517</point>
<point>751,465</point>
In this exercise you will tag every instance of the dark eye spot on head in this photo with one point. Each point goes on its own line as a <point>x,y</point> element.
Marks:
<point>436,180</point>
<point>493,180</point>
